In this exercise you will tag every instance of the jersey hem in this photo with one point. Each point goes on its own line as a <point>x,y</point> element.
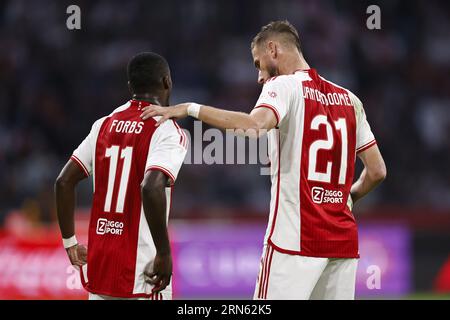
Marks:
<point>299,253</point>
<point>119,295</point>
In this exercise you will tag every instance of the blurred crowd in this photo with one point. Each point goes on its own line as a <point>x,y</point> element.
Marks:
<point>54,83</point>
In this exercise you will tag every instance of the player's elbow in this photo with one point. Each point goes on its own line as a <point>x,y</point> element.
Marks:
<point>250,125</point>
<point>62,182</point>
<point>263,125</point>
<point>148,188</point>
<point>253,129</point>
<point>152,184</point>
<point>378,174</point>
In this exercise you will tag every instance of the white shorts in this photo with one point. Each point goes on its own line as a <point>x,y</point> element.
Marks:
<point>293,277</point>
<point>161,296</point>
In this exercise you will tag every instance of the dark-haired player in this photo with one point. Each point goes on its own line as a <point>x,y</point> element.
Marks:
<point>133,165</point>
<point>311,244</point>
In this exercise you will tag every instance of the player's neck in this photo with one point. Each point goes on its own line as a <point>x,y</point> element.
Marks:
<point>148,97</point>
<point>294,63</point>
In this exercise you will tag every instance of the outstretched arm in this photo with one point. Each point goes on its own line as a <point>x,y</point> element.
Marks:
<point>373,174</point>
<point>259,120</point>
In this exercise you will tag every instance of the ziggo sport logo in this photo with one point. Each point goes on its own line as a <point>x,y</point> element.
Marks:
<point>321,195</point>
<point>105,226</point>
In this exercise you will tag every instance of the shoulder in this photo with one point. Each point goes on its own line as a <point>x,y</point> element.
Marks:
<point>283,83</point>
<point>170,132</point>
<point>350,93</point>
<point>282,80</point>
<point>168,128</point>
<point>123,107</point>
<point>356,102</point>
<point>98,123</point>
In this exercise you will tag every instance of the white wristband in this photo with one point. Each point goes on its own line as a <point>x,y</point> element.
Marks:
<point>70,242</point>
<point>193,110</point>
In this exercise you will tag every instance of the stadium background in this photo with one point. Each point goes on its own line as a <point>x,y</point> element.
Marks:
<point>54,83</point>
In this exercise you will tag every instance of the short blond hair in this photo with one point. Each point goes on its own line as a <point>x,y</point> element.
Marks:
<point>275,28</point>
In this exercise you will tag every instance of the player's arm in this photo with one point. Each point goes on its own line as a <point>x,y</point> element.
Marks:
<point>373,174</point>
<point>154,202</point>
<point>272,106</point>
<point>167,150</point>
<point>65,194</point>
<point>252,124</point>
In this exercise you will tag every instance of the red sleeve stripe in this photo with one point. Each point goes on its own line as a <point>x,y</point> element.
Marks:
<point>366,146</point>
<point>163,170</point>
<point>183,139</point>
<point>264,105</point>
<point>80,164</point>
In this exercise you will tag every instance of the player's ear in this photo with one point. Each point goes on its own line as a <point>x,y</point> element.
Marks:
<point>129,87</point>
<point>272,49</point>
<point>167,82</point>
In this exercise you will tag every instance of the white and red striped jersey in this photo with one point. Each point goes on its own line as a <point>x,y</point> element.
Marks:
<point>117,152</point>
<point>321,127</point>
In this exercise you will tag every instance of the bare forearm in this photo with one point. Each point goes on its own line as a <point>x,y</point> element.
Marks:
<point>364,185</point>
<point>373,174</point>
<point>255,124</point>
<point>65,207</point>
<point>65,195</point>
<point>224,119</point>
<point>154,203</point>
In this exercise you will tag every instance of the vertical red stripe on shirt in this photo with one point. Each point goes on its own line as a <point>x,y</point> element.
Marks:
<point>268,272</point>
<point>266,259</point>
<point>262,274</point>
<point>274,219</point>
<point>183,139</point>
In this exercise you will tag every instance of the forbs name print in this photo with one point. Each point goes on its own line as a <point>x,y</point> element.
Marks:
<point>320,195</point>
<point>126,126</point>
<point>105,226</point>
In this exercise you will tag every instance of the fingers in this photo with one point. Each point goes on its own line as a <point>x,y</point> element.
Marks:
<point>148,114</point>
<point>150,111</point>
<point>162,120</point>
<point>158,281</point>
<point>81,255</point>
<point>73,256</point>
<point>148,275</point>
<point>77,255</point>
<point>154,280</point>
<point>164,283</point>
<point>154,111</point>
<point>160,286</point>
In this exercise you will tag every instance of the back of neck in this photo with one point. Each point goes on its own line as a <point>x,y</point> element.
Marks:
<point>151,98</point>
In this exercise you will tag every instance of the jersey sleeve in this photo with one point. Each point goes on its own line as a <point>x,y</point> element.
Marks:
<point>276,95</point>
<point>364,136</point>
<point>83,155</point>
<point>168,148</point>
